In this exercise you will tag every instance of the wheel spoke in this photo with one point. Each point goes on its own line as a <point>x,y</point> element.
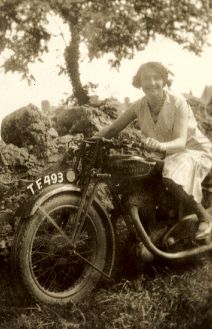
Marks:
<point>51,236</point>
<point>35,262</point>
<point>45,271</point>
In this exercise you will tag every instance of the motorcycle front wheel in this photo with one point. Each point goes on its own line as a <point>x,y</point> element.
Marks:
<point>45,264</point>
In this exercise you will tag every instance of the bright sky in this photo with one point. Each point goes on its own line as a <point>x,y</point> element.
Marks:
<point>191,73</point>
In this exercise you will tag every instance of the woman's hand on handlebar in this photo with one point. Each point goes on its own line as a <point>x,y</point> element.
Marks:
<point>149,144</point>
<point>153,145</point>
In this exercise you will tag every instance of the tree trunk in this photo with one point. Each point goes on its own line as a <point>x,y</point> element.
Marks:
<point>72,56</point>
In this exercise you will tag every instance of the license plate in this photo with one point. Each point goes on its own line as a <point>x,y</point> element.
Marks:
<point>47,180</point>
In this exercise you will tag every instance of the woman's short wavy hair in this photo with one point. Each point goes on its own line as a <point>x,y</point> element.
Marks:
<point>158,67</point>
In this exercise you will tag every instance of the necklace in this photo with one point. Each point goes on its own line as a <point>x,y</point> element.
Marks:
<point>155,110</point>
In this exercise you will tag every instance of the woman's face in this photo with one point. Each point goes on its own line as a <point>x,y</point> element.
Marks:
<point>151,82</point>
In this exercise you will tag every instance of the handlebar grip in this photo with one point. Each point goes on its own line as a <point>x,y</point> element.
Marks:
<point>98,138</point>
<point>106,141</point>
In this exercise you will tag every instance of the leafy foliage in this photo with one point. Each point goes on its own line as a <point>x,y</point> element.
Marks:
<point>23,34</point>
<point>123,26</point>
<point>117,27</point>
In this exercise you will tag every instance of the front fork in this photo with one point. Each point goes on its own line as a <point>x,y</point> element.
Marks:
<point>85,203</point>
<point>88,195</point>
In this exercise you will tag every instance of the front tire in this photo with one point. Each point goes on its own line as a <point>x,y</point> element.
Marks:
<point>45,264</point>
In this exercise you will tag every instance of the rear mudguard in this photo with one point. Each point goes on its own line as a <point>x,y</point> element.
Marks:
<point>57,189</point>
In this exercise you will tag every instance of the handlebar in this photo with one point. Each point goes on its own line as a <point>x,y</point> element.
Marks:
<point>115,144</point>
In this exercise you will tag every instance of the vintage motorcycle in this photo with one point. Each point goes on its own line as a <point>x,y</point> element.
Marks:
<point>66,241</point>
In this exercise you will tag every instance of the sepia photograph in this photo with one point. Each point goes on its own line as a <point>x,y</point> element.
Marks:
<point>106,164</point>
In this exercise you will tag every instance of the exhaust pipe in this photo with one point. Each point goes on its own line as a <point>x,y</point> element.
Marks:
<point>153,249</point>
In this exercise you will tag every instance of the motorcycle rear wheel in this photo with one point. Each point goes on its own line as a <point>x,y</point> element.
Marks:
<point>44,262</point>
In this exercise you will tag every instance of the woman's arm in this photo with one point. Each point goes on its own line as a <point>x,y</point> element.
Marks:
<point>120,123</point>
<point>179,131</point>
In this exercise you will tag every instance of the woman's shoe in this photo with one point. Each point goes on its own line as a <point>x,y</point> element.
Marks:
<point>204,230</point>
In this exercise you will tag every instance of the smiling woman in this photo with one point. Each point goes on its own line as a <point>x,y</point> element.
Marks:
<point>152,78</point>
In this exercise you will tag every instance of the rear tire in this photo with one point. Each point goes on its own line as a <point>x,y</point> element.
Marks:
<point>43,261</point>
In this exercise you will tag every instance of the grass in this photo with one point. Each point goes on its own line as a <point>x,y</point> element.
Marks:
<point>160,296</point>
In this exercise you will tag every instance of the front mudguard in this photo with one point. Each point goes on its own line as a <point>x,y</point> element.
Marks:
<point>47,193</point>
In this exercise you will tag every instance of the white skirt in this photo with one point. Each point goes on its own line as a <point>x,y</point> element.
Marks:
<point>188,169</point>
